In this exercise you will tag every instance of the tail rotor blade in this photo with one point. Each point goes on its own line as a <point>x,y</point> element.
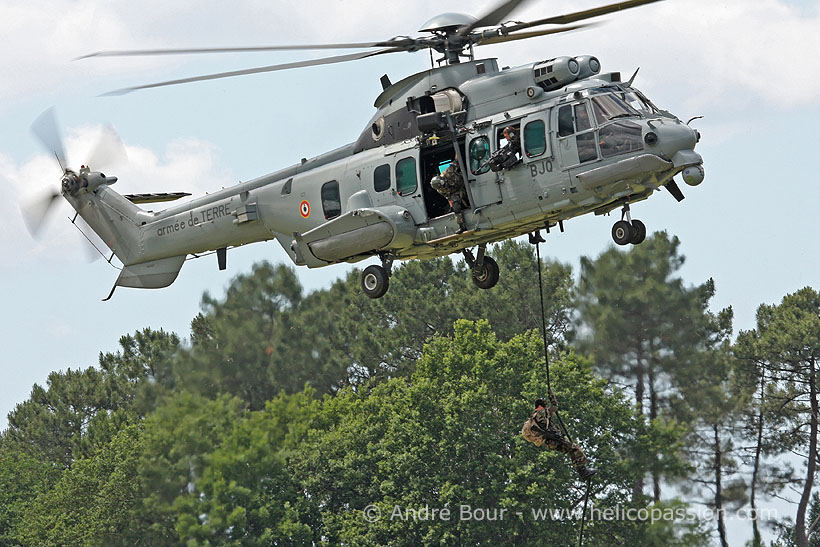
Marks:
<point>108,151</point>
<point>37,211</point>
<point>94,246</point>
<point>46,130</point>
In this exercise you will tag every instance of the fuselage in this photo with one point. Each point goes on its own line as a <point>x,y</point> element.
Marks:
<point>591,144</point>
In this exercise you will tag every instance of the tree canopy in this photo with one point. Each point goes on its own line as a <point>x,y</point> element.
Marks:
<point>294,418</point>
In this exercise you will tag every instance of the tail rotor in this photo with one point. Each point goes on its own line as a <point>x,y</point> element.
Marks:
<point>108,151</point>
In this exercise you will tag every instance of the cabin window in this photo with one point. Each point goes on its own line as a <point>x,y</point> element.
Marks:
<point>565,126</point>
<point>535,138</point>
<point>479,154</point>
<point>381,178</point>
<point>286,188</point>
<point>331,201</point>
<point>406,181</point>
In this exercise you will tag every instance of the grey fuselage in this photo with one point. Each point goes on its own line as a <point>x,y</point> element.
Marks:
<point>579,154</point>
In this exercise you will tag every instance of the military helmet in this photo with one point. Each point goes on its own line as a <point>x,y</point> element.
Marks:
<point>540,402</point>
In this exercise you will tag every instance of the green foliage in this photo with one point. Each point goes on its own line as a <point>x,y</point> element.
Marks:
<point>246,495</point>
<point>22,478</point>
<point>92,502</point>
<point>450,436</point>
<point>410,408</point>
<point>177,438</point>
<point>238,341</point>
<point>639,322</point>
<point>784,350</point>
<point>81,410</point>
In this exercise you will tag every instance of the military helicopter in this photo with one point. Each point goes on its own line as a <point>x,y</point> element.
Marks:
<point>586,142</point>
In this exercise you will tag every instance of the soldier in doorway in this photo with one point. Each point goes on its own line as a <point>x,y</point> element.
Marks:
<point>540,429</point>
<point>450,184</point>
<point>509,154</point>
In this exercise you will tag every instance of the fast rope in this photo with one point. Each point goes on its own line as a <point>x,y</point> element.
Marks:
<point>536,240</point>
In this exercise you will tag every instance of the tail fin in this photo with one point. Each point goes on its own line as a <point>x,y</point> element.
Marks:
<point>115,219</point>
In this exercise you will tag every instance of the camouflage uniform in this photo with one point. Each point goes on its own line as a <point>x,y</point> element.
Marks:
<point>508,156</point>
<point>451,186</point>
<point>539,429</point>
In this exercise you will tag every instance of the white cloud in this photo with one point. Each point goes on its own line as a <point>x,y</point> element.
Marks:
<point>716,50</point>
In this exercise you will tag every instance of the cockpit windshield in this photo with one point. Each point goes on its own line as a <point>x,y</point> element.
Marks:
<point>609,107</point>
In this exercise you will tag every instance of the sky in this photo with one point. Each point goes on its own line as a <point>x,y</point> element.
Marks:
<point>749,68</point>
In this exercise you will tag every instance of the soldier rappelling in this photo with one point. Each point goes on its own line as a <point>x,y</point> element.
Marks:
<point>540,429</point>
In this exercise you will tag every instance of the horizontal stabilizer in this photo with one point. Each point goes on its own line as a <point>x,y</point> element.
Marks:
<point>155,198</point>
<point>151,275</point>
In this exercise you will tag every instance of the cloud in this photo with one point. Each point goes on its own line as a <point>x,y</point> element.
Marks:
<point>186,165</point>
<point>717,51</point>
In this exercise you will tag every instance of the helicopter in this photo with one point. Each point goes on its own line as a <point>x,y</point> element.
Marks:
<point>530,148</point>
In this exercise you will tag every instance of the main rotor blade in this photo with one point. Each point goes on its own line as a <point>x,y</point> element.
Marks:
<point>272,68</point>
<point>108,151</point>
<point>36,211</point>
<point>395,42</point>
<point>494,17</point>
<point>46,130</point>
<point>530,34</point>
<point>581,15</point>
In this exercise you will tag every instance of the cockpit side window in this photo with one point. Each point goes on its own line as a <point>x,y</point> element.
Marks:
<point>582,122</point>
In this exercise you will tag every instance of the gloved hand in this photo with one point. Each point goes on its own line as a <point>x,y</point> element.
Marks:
<point>553,400</point>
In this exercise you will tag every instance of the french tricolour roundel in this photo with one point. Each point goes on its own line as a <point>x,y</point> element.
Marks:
<point>304,208</point>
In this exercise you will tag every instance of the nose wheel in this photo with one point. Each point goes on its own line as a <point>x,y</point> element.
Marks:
<point>628,230</point>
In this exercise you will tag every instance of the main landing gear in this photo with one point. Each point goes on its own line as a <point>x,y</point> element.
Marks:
<point>628,230</point>
<point>483,269</point>
<point>376,279</point>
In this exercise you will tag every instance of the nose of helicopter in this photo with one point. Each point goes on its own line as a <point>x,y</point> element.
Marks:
<point>666,137</point>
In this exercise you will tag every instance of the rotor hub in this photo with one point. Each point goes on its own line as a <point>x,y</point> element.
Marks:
<point>70,182</point>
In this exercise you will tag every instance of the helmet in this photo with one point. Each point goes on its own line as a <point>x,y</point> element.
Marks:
<point>540,402</point>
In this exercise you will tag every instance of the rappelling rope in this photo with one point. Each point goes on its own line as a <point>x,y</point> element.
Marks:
<point>537,241</point>
<point>544,333</point>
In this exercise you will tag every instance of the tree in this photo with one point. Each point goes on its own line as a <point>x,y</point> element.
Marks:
<point>81,410</point>
<point>786,344</point>
<point>449,436</point>
<point>176,440</point>
<point>237,341</point>
<point>384,338</point>
<point>712,402</point>
<point>92,503</point>
<point>246,495</point>
<point>641,325</point>
<point>22,478</point>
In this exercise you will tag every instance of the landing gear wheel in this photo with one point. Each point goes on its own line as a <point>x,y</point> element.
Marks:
<point>487,276</point>
<point>622,232</point>
<point>639,229</point>
<point>375,281</point>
